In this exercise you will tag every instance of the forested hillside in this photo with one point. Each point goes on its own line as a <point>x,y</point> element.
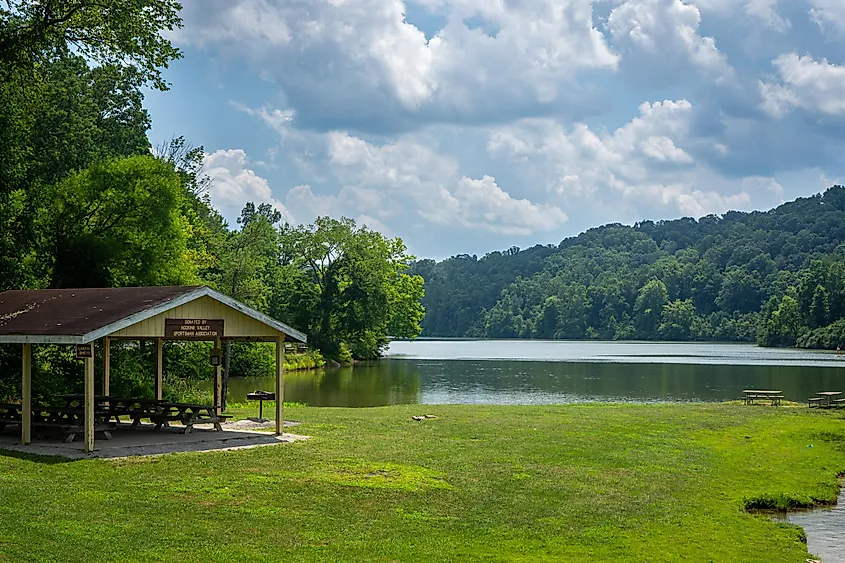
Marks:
<point>777,277</point>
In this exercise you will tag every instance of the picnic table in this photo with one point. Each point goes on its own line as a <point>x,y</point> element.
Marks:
<point>188,415</point>
<point>68,420</point>
<point>111,406</point>
<point>161,413</point>
<point>9,414</point>
<point>71,421</point>
<point>826,399</point>
<point>750,395</point>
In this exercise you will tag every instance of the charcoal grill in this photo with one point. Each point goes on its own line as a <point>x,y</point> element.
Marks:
<point>261,396</point>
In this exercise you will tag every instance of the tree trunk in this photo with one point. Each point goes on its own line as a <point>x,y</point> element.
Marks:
<point>227,361</point>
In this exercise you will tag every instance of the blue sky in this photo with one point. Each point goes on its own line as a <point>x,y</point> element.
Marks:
<point>465,126</point>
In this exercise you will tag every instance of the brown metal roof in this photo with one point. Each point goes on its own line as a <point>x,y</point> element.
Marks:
<point>75,312</point>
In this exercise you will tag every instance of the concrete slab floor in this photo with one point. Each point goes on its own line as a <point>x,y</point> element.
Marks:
<point>144,440</point>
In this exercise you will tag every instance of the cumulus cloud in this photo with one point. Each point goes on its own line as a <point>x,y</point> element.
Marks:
<point>757,184</point>
<point>360,63</point>
<point>639,167</point>
<point>483,204</point>
<point>233,184</point>
<point>806,83</point>
<point>415,176</point>
<point>763,11</point>
<point>666,30</point>
<point>829,14</point>
<point>381,184</point>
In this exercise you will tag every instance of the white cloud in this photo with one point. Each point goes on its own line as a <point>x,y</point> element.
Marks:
<point>766,11</point>
<point>256,18</point>
<point>350,202</point>
<point>763,11</point>
<point>483,204</point>
<point>381,184</point>
<point>416,177</point>
<point>756,184</point>
<point>233,184</point>
<point>360,58</point>
<point>667,30</point>
<point>829,13</point>
<point>637,169</point>
<point>805,83</point>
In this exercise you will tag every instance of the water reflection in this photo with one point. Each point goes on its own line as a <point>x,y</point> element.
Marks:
<point>398,381</point>
<point>361,386</point>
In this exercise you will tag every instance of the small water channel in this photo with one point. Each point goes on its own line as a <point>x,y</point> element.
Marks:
<point>825,529</point>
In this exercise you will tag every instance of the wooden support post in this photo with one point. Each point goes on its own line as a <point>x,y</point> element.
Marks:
<point>89,403</point>
<point>106,365</point>
<point>218,382</point>
<point>159,368</point>
<point>26,403</point>
<point>280,385</point>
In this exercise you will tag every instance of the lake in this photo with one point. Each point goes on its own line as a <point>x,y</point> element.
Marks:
<point>554,372</point>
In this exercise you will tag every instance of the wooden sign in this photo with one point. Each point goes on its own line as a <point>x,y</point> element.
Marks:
<point>193,329</point>
<point>84,351</point>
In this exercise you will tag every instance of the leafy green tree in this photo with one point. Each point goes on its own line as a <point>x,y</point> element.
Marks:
<point>550,316</point>
<point>679,321</point>
<point>403,304</point>
<point>115,224</point>
<point>346,286</point>
<point>828,337</point>
<point>741,291</point>
<point>573,305</point>
<point>648,308</point>
<point>107,32</point>
<point>783,326</point>
<point>245,269</point>
<point>728,265</point>
<point>820,307</point>
<point>63,119</point>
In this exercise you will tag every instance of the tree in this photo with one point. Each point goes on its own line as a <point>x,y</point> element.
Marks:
<point>108,32</point>
<point>63,119</point>
<point>678,321</point>
<point>741,291</point>
<point>819,308</point>
<point>346,286</point>
<point>115,224</point>
<point>250,213</point>
<point>648,308</point>
<point>245,268</point>
<point>782,327</point>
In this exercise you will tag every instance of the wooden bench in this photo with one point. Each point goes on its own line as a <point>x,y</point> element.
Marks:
<point>10,414</point>
<point>188,415</point>
<point>838,402</point>
<point>814,401</point>
<point>215,420</point>
<point>71,430</point>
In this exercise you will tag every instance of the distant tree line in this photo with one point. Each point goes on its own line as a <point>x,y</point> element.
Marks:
<point>86,201</point>
<point>774,277</point>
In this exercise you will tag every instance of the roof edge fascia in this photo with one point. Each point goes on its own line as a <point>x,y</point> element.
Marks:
<point>203,291</point>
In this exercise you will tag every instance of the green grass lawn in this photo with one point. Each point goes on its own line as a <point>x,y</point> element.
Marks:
<point>479,483</point>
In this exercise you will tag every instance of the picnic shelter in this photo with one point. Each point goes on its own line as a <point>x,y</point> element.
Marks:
<point>96,316</point>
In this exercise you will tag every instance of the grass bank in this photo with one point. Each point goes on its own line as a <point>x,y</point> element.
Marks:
<point>479,483</point>
<point>308,360</point>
